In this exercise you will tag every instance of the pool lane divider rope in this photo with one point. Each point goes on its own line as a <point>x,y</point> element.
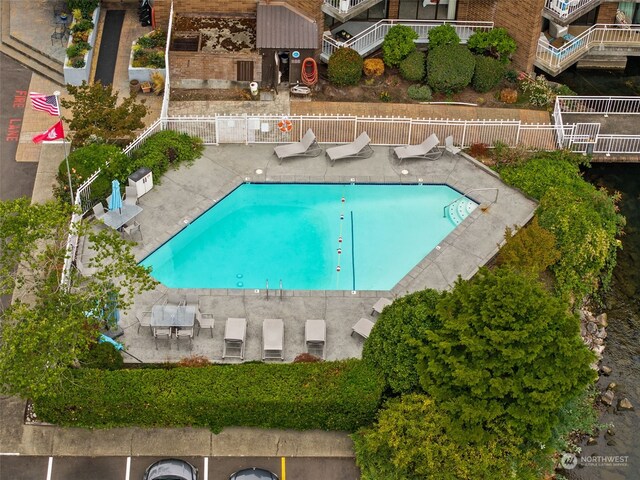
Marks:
<point>353,255</point>
<point>338,267</point>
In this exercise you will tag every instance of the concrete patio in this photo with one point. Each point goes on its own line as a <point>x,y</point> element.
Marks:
<point>189,191</point>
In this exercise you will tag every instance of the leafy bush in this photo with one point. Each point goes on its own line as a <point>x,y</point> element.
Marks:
<point>508,95</point>
<point>496,43</point>
<point>102,356</point>
<point>78,49</point>
<point>421,93</point>
<point>345,67</point>
<point>563,90</point>
<point>86,7</point>
<point>537,90</point>
<point>166,148</point>
<point>398,44</point>
<point>443,35</point>
<point>373,67</point>
<point>412,68</point>
<point>325,395</point>
<point>450,68</point>
<point>153,39</point>
<point>392,346</point>
<point>488,74</point>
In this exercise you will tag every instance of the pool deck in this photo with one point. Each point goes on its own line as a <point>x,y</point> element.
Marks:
<point>186,193</point>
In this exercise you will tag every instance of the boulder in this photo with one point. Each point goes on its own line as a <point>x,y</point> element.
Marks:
<point>598,341</point>
<point>592,328</point>
<point>607,397</point>
<point>592,441</point>
<point>612,386</point>
<point>606,371</point>
<point>625,405</point>
<point>602,320</point>
<point>611,443</point>
<point>601,333</point>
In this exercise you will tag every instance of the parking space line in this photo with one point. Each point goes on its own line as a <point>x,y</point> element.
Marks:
<point>10,454</point>
<point>283,468</point>
<point>128,470</point>
<point>49,468</point>
<point>206,468</point>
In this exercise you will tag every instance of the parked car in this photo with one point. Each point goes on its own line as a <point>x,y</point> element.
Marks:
<point>171,469</point>
<point>253,473</point>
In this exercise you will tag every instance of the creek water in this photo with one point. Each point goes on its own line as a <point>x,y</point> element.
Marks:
<point>622,302</point>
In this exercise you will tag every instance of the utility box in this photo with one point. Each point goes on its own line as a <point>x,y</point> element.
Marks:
<point>142,179</point>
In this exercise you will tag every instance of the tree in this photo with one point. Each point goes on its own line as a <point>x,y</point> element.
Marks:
<point>392,347</point>
<point>48,327</point>
<point>98,116</point>
<point>410,442</point>
<point>398,44</point>
<point>505,358</point>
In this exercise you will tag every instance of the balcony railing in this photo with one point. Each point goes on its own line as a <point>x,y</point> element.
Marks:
<point>554,60</point>
<point>370,39</point>
<point>343,10</point>
<point>565,10</point>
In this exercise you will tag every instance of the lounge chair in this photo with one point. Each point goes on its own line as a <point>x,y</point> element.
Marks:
<point>450,147</point>
<point>307,147</point>
<point>362,327</point>
<point>359,148</point>
<point>380,304</point>
<point>315,333</point>
<point>234,336</point>
<point>427,150</point>
<point>272,338</point>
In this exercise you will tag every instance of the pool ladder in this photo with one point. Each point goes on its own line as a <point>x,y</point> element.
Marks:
<point>281,291</point>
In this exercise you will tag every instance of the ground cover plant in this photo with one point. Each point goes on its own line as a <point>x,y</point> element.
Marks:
<point>148,51</point>
<point>341,395</point>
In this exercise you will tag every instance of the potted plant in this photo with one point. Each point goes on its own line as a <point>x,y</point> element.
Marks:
<point>134,86</point>
<point>146,87</point>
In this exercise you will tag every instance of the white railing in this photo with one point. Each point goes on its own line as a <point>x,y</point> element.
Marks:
<point>72,243</point>
<point>557,120</point>
<point>617,144</point>
<point>164,111</point>
<point>566,8</point>
<point>599,105</point>
<point>371,38</point>
<point>343,6</point>
<point>599,35</point>
<point>140,139</point>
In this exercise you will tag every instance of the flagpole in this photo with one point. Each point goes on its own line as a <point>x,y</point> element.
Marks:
<point>64,144</point>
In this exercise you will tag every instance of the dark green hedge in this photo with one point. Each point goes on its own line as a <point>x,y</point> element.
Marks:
<point>488,74</point>
<point>450,68</point>
<point>412,68</point>
<point>341,395</point>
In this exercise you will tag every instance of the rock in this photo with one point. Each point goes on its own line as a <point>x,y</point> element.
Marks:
<point>625,405</point>
<point>610,431</point>
<point>606,371</point>
<point>592,441</point>
<point>602,320</point>
<point>598,341</point>
<point>594,366</point>
<point>612,443</point>
<point>607,397</point>
<point>612,386</point>
<point>592,328</point>
<point>601,333</point>
<point>587,316</point>
<point>583,330</point>
<point>598,349</point>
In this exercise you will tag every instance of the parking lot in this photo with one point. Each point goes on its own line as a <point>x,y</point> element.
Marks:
<point>22,467</point>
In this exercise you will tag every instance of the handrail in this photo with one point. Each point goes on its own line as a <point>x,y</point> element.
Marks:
<point>466,195</point>
<point>280,289</point>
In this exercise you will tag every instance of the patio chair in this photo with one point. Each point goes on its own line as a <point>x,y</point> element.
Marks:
<point>315,333</point>
<point>450,147</point>
<point>427,150</point>
<point>272,339</point>
<point>379,305</point>
<point>185,332</point>
<point>161,332</point>
<point>359,148</point>
<point>205,317</point>
<point>99,211</point>
<point>174,298</point>
<point>235,333</point>
<point>362,327</point>
<point>131,196</point>
<point>144,320</point>
<point>307,147</point>
<point>133,228</point>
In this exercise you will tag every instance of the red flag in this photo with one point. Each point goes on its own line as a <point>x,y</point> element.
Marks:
<point>54,133</point>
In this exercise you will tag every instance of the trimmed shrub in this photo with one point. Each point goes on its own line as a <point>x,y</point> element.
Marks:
<point>102,356</point>
<point>488,74</point>
<point>412,68</point>
<point>342,395</point>
<point>450,68</point>
<point>345,67</point>
<point>443,35</point>
<point>164,149</point>
<point>398,44</point>
<point>373,67</point>
<point>508,95</point>
<point>421,93</point>
<point>496,43</point>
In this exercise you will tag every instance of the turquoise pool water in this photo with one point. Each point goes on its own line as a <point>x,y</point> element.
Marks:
<point>310,236</point>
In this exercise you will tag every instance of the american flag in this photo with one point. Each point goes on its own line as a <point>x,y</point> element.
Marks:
<point>45,103</point>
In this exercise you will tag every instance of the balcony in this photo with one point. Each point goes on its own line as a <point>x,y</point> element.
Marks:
<point>343,10</point>
<point>563,12</point>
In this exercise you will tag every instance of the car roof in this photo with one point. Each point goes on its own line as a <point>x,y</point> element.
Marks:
<point>253,473</point>
<point>171,469</point>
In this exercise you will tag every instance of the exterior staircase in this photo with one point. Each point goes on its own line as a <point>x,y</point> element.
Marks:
<point>29,56</point>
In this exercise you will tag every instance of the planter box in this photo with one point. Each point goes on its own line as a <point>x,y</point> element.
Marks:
<point>75,76</point>
<point>143,74</point>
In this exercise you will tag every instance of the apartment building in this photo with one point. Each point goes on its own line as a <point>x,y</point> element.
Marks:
<point>551,34</point>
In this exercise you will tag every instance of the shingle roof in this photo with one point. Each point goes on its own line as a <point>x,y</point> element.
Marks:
<point>281,26</point>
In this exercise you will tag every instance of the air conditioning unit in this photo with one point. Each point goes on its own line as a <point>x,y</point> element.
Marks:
<point>344,6</point>
<point>557,31</point>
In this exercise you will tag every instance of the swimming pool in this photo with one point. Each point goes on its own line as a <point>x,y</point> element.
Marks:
<point>309,236</point>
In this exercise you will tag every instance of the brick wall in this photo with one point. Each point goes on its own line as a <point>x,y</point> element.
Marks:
<point>481,10</point>
<point>211,66</point>
<point>607,13</point>
<point>393,8</point>
<point>524,24</point>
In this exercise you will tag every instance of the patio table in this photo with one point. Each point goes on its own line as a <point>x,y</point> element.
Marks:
<point>117,218</point>
<point>173,316</point>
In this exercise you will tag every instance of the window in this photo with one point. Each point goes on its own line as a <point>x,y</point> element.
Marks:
<point>588,18</point>
<point>423,9</point>
<point>245,71</point>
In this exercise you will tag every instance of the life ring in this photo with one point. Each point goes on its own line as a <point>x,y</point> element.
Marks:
<point>285,125</point>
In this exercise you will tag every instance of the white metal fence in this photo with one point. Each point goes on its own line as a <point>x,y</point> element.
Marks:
<point>566,8</point>
<point>599,105</point>
<point>371,38</point>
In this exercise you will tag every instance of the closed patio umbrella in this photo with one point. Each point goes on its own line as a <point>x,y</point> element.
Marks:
<point>115,202</point>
